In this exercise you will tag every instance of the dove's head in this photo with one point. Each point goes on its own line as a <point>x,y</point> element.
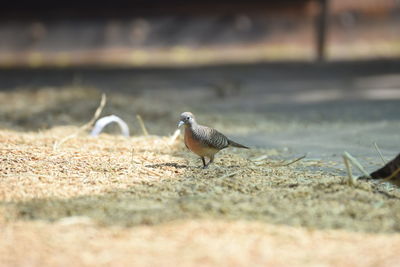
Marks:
<point>187,119</point>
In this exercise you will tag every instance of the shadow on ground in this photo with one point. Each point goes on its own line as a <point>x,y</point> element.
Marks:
<point>267,194</point>
<point>367,91</point>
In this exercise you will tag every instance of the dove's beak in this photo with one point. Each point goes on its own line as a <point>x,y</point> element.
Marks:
<point>180,123</point>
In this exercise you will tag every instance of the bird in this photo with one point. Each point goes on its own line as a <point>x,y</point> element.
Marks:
<point>202,140</point>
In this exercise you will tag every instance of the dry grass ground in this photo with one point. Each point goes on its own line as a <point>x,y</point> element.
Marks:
<point>140,201</point>
<point>191,243</point>
<point>121,201</point>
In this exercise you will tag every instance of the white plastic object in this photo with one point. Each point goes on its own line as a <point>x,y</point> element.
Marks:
<point>104,121</point>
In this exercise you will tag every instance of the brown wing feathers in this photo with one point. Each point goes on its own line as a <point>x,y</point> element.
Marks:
<point>217,139</point>
<point>213,138</point>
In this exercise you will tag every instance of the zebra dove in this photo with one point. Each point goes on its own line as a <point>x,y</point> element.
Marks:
<point>202,140</point>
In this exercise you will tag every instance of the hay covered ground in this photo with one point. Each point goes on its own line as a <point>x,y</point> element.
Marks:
<point>139,201</point>
<point>144,201</point>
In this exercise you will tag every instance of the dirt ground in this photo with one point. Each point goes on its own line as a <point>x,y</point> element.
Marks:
<point>144,201</point>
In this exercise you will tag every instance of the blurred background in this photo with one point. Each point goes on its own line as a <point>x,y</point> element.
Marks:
<point>303,75</point>
<point>176,32</point>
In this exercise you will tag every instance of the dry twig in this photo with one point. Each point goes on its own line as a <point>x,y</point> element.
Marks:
<point>347,158</point>
<point>144,130</point>
<point>85,126</point>
<point>260,158</point>
<point>229,175</point>
<point>293,161</point>
<point>174,136</point>
<point>379,152</point>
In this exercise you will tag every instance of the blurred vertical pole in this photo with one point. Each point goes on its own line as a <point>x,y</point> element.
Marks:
<point>321,29</point>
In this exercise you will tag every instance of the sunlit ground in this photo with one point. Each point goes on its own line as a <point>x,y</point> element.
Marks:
<point>144,200</point>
